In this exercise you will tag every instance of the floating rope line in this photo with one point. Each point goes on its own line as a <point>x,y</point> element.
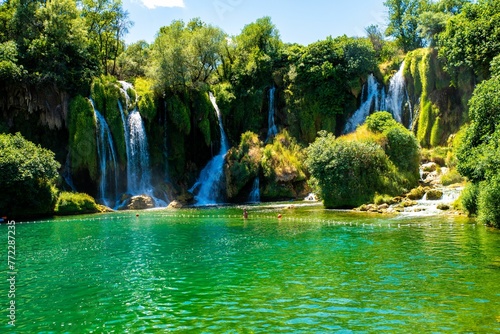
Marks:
<point>255,217</point>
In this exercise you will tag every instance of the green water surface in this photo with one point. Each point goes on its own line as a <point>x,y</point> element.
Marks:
<point>210,271</point>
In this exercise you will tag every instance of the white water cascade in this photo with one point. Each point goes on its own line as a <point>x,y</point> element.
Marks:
<point>371,98</point>
<point>374,98</point>
<point>208,185</point>
<point>137,150</point>
<point>397,95</point>
<point>254,196</point>
<point>138,170</point>
<point>108,166</point>
<point>272,128</point>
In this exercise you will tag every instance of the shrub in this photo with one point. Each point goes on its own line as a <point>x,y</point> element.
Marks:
<point>242,163</point>
<point>468,198</point>
<point>70,203</point>
<point>27,175</point>
<point>283,167</point>
<point>452,177</point>
<point>380,121</point>
<point>488,199</point>
<point>350,172</point>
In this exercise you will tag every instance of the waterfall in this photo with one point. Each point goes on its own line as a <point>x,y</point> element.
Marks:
<point>138,170</point>
<point>137,150</point>
<point>397,95</point>
<point>208,185</point>
<point>254,196</point>
<point>107,161</point>
<point>370,98</point>
<point>272,129</point>
<point>374,98</point>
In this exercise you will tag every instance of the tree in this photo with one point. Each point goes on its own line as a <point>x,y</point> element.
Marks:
<point>27,176</point>
<point>403,22</point>
<point>107,23</point>
<point>478,154</point>
<point>132,63</point>
<point>472,38</point>
<point>185,56</point>
<point>348,172</point>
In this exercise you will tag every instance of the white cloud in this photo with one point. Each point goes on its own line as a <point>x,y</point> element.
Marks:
<point>152,4</point>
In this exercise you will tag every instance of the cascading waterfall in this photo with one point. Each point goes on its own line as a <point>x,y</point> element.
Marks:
<point>374,98</point>
<point>272,129</point>
<point>370,99</point>
<point>137,150</point>
<point>108,165</point>
<point>208,186</point>
<point>254,196</point>
<point>397,95</point>
<point>138,170</point>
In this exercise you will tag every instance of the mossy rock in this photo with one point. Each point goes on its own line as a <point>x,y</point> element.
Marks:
<point>434,195</point>
<point>416,193</point>
<point>443,207</point>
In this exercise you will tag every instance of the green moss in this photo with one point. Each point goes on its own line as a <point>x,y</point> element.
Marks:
<point>436,132</point>
<point>70,203</point>
<point>82,139</point>
<point>105,93</point>
<point>179,114</point>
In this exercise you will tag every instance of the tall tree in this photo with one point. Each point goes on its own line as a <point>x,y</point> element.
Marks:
<point>107,22</point>
<point>403,22</point>
<point>185,55</point>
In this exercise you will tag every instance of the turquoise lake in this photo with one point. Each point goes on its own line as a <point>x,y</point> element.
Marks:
<point>207,270</point>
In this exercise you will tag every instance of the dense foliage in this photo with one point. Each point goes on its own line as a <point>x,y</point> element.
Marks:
<point>27,176</point>
<point>380,157</point>
<point>69,203</point>
<point>479,154</point>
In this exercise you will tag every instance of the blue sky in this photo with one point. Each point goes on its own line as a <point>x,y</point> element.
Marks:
<point>299,21</point>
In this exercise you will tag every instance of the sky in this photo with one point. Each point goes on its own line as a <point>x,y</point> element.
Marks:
<point>298,21</point>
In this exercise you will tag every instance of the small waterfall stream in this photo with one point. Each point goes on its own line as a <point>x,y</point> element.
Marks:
<point>108,166</point>
<point>397,95</point>
<point>370,99</point>
<point>208,187</point>
<point>374,98</point>
<point>254,196</point>
<point>272,128</point>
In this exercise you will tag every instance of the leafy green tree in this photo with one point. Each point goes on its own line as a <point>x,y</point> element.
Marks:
<point>403,22</point>
<point>472,38</point>
<point>27,176</point>
<point>107,23</point>
<point>133,62</point>
<point>321,80</point>
<point>185,56</point>
<point>349,173</point>
<point>478,155</point>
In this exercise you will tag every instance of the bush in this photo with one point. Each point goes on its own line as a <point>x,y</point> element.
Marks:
<point>452,177</point>
<point>488,200</point>
<point>70,203</point>
<point>468,198</point>
<point>349,173</point>
<point>242,163</point>
<point>282,163</point>
<point>380,121</point>
<point>27,175</point>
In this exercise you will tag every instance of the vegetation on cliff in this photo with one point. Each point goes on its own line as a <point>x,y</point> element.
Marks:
<point>27,177</point>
